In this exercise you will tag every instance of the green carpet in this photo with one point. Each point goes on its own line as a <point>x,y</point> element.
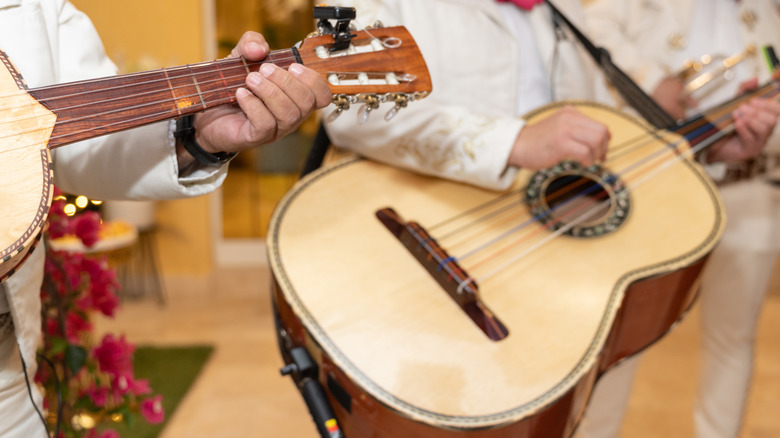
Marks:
<point>170,371</point>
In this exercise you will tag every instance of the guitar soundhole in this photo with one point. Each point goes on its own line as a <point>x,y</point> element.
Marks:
<point>585,202</point>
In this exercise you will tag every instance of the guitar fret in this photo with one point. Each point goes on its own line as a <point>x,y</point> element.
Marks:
<point>197,87</point>
<point>225,88</point>
<point>213,88</point>
<point>170,87</point>
<point>185,90</point>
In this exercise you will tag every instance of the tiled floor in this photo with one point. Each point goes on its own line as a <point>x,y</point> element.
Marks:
<point>241,393</point>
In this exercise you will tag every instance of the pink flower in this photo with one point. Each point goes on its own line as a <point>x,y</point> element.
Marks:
<point>140,387</point>
<point>53,327</point>
<point>107,433</point>
<point>99,395</point>
<point>115,356</point>
<point>102,286</point>
<point>152,410</point>
<point>86,226</point>
<point>58,220</point>
<point>70,264</point>
<point>75,324</point>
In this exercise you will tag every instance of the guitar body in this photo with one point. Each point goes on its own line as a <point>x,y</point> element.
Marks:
<point>399,357</point>
<point>27,191</point>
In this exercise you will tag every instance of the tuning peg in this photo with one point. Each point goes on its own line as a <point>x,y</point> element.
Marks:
<point>401,100</point>
<point>334,115</point>
<point>364,113</point>
<point>390,114</point>
<point>371,102</point>
<point>342,104</point>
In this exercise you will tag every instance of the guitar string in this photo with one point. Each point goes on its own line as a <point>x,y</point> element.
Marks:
<point>616,151</point>
<point>692,130</point>
<point>598,207</point>
<point>273,56</point>
<point>656,154</point>
<point>562,192</point>
<point>586,215</point>
<point>695,129</point>
<point>628,146</point>
<point>231,64</point>
<point>225,64</point>
<point>146,104</point>
<point>595,209</point>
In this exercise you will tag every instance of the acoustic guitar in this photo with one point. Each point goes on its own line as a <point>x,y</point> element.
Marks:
<point>440,310</point>
<point>377,65</point>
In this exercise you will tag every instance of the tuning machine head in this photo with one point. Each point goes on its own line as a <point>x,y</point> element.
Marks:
<point>342,102</point>
<point>370,103</point>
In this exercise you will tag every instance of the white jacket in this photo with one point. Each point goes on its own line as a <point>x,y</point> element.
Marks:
<point>49,41</point>
<point>644,37</point>
<point>466,128</point>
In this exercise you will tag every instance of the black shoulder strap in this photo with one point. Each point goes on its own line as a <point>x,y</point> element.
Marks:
<point>317,152</point>
<point>628,89</point>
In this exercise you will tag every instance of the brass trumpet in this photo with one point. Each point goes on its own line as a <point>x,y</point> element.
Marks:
<point>709,70</point>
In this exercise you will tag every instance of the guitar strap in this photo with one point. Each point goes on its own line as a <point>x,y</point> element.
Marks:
<point>317,152</point>
<point>626,87</point>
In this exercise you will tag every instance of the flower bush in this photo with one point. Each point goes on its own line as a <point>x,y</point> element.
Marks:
<point>88,383</point>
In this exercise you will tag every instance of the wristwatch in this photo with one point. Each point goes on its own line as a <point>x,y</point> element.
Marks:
<point>185,134</point>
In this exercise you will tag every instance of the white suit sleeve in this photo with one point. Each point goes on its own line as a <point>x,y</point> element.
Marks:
<point>135,164</point>
<point>441,135</point>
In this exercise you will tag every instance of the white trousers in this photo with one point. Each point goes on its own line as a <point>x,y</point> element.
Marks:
<point>18,418</point>
<point>734,284</point>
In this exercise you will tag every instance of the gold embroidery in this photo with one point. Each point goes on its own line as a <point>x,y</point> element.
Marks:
<point>676,41</point>
<point>432,154</point>
<point>749,18</point>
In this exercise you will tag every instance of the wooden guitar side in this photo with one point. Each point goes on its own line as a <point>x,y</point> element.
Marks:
<point>27,191</point>
<point>382,328</point>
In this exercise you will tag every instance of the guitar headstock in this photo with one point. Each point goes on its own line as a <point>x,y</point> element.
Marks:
<point>381,64</point>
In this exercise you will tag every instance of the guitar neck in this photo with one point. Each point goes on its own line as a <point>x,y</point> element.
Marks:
<point>718,121</point>
<point>92,108</point>
<point>379,66</point>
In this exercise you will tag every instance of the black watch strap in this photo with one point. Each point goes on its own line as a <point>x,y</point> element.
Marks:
<point>185,134</point>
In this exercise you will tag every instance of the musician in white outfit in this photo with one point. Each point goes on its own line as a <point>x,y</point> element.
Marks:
<point>50,41</point>
<point>652,40</point>
<point>491,62</point>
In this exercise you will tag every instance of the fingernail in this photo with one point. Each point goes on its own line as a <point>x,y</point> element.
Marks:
<point>242,92</point>
<point>296,69</point>
<point>253,79</point>
<point>266,69</point>
<point>254,46</point>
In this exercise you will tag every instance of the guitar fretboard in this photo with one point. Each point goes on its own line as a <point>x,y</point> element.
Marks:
<point>93,108</point>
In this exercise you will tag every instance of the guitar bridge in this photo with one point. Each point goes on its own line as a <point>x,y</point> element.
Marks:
<point>445,270</point>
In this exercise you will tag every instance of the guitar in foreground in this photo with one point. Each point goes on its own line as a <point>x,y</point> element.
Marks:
<point>437,309</point>
<point>383,64</point>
